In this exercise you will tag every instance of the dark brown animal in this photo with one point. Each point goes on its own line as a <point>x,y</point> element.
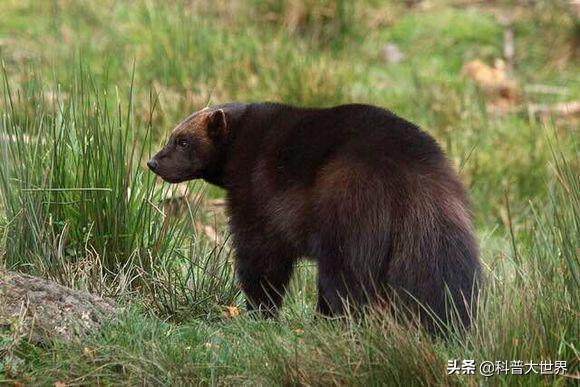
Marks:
<point>367,195</point>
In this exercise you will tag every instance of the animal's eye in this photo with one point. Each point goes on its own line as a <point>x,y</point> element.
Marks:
<point>183,143</point>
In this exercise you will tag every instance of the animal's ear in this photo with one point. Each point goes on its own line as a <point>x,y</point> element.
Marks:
<point>217,125</point>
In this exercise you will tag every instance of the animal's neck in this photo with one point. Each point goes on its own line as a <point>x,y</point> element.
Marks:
<point>247,120</point>
<point>215,174</point>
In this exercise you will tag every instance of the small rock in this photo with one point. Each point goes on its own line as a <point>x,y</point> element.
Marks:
<point>391,53</point>
<point>43,310</point>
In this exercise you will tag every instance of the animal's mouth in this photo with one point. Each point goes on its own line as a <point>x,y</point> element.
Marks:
<point>177,179</point>
<point>172,180</point>
<point>154,166</point>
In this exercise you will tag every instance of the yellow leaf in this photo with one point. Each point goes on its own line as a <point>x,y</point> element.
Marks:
<point>232,311</point>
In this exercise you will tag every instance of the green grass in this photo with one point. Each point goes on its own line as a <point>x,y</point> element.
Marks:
<point>92,88</point>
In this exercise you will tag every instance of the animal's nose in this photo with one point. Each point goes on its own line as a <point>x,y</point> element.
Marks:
<point>152,164</point>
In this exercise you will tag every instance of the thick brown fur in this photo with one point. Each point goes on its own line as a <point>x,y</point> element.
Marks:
<point>367,195</point>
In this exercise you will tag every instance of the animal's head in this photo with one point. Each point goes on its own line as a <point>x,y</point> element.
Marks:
<point>195,146</point>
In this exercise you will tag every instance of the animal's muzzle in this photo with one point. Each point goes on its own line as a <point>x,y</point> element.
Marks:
<point>153,165</point>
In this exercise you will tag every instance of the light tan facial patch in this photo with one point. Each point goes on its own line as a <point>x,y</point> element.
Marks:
<point>194,126</point>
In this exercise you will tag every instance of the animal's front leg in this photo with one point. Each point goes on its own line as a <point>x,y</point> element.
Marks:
<point>263,278</point>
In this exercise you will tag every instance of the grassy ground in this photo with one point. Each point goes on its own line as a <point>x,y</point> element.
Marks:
<point>91,88</point>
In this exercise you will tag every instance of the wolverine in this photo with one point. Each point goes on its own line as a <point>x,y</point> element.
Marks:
<point>367,195</point>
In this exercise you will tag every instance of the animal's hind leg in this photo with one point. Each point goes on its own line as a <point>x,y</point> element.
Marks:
<point>339,291</point>
<point>351,239</point>
<point>345,284</point>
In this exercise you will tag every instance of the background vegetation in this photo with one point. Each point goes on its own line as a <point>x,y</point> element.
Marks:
<point>90,89</point>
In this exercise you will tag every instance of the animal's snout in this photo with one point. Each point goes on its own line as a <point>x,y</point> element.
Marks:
<point>152,164</point>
